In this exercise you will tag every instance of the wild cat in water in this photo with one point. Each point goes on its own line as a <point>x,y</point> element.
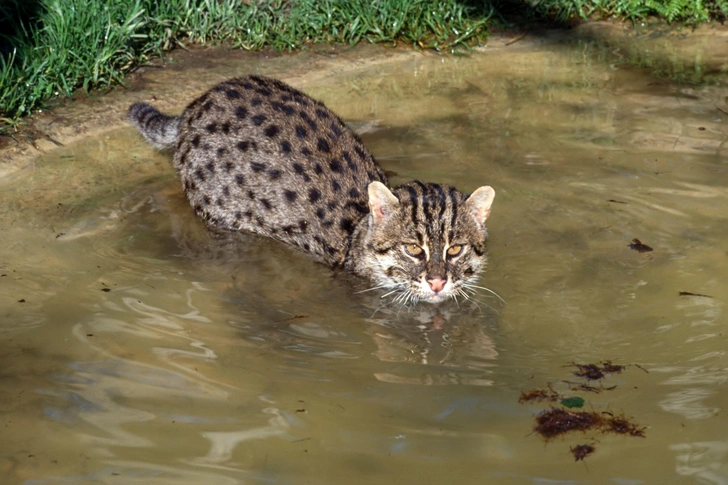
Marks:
<point>257,155</point>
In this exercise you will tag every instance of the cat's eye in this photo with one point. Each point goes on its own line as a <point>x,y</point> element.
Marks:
<point>413,250</point>
<point>454,250</point>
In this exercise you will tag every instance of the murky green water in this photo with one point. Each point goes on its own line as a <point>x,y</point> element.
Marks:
<point>136,348</point>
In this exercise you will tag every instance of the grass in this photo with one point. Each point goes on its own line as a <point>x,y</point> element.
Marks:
<point>70,44</point>
<point>685,11</point>
<point>51,48</point>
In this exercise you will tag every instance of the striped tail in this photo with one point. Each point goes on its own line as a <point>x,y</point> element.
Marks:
<point>157,128</point>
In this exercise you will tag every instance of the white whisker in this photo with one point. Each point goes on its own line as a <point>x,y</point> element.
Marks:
<point>470,286</point>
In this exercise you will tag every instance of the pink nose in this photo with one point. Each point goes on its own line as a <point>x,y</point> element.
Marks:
<point>437,284</point>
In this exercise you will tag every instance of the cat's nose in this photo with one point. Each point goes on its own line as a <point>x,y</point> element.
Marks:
<point>437,284</point>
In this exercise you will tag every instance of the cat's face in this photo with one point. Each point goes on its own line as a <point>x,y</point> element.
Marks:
<point>425,242</point>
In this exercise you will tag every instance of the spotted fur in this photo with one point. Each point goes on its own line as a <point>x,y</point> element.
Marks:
<point>257,155</point>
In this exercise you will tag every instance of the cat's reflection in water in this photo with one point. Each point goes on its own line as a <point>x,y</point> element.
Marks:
<point>292,303</point>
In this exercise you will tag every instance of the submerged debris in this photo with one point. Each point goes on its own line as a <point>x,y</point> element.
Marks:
<point>580,386</point>
<point>638,246</point>
<point>593,372</point>
<point>543,394</point>
<point>559,420</point>
<point>556,421</point>
<point>621,425</point>
<point>581,451</point>
<point>572,402</point>
<point>687,293</point>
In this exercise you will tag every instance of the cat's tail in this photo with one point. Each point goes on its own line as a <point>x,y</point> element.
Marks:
<point>157,128</point>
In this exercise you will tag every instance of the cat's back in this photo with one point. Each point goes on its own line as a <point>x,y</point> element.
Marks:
<point>256,154</point>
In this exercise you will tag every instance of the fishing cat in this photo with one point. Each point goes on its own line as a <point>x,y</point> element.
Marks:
<point>257,155</point>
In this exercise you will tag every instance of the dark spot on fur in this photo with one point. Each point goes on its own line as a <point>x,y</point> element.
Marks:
<point>349,161</point>
<point>241,112</point>
<point>218,202</point>
<point>258,119</point>
<point>233,94</point>
<point>335,128</point>
<point>221,152</point>
<point>283,108</point>
<point>317,169</point>
<point>248,214</point>
<point>251,195</point>
<point>238,215</point>
<point>332,205</point>
<point>212,127</point>
<point>291,195</point>
<point>362,154</point>
<point>336,166</point>
<point>248,85</point>
<point>327,223</point>
<point>199,175</point>
<point>335,186</point>
<point>314,195</point>
<point>346,225</point>
<point>286,98</point>
<point>206,200</point>
<point>226,191</point>
<point>320,213</point>
<point>306,152</point>
<point>285,147</point>
<point>301,131</point>
<point>360,208</point>
<point>226,128</point>
<point>256,101</point>
<point>239,179</point>
<point>468,272</point>
<point>207,106</point>
<point>243,146</point>
<point>323,145</point>
<point>210,167</point>
<point>307,246</point>
<point>322,113</point>
<point>303,225</point>
<point>266,204</point>
<point>229,166</point>
<point>298,168</point>
<point>196,141</point>
<point>257,166</point>
<point>264,91</point>
<point>311,123</point>
<point>272,131</point>
<point>274,174</point>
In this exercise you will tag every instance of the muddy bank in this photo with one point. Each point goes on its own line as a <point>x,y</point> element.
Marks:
<point>671,53</point>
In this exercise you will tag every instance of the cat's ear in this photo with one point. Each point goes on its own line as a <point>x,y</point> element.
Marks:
<point>382,202</point>
<point>479,203</point>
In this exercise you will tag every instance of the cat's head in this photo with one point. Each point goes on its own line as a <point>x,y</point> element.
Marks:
<point>424,242</point>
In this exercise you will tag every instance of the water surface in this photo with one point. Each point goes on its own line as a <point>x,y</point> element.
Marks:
<point>139,348</point>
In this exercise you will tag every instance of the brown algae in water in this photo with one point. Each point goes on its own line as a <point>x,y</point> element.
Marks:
<point>593,372</point>
<point>557,421</point>
<point>581,451</point>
